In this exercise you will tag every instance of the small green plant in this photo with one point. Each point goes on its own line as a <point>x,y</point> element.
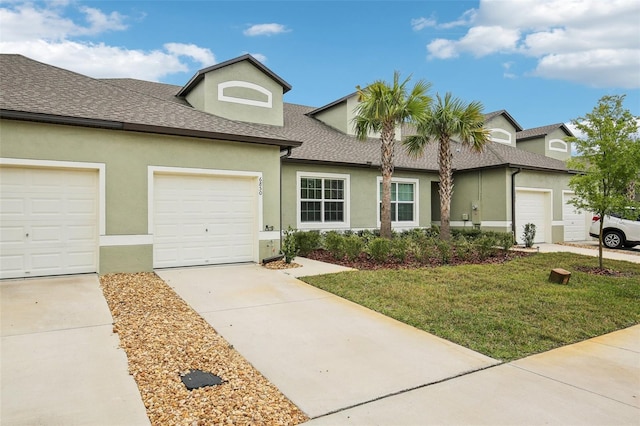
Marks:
<point>307,241</point>
<point>485,245</point>
<point>463,247</point>
<point>444,249</point>
<point>399,248</point>
<point>379,249</point>
<point>529,234</point>
<point>506,240</point>
<point>334,244</point>
<point>289,248</point>
<point>353,246</point>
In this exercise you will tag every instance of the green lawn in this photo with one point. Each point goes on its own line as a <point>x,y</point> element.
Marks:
<point>505,311</point>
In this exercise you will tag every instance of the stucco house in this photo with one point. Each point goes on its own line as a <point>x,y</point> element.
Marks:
<point>105,175</point>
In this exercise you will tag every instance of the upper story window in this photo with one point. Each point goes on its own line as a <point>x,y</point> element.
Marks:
<point>558,145</point>
<point>404,204</point>
<point>323,200</point>
<point>500,136</point>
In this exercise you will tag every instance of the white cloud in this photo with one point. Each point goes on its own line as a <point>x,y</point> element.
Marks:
<point>259,56</point>
<point>507,70</point>
<point>591,42</point>
<point>199,54</point>
<point>46,34</point>
<point>421,23</point>
<point>265,29</point>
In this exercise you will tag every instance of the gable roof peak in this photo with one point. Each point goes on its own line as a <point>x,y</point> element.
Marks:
<point>246,57</point>
<point>506,115</point>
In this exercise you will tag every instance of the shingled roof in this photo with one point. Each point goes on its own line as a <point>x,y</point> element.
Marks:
<point>35,91</point>
<point>31,90</point>
<point>542,131</point>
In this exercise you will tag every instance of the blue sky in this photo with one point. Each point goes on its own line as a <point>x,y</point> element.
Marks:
<point>544,61</point>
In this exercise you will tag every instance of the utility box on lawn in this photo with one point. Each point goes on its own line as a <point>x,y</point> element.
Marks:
<point>559,276</point>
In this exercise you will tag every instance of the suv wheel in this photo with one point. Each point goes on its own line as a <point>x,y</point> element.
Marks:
<point>613,239</point>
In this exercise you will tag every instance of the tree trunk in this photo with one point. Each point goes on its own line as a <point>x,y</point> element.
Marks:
<point>446,188</point>
<point>386,168</point>
<point>600,241</point>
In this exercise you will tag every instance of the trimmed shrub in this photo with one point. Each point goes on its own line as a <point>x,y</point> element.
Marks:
<point>486,245</point>
<point>334,244</point>
<point>463,248</point>
<point>307,241</point>
<point>289,248</point>
<point>352,246</point>
<point>444,250</point>
<point>529,234</point>
<point>399,248</point>
<point>379,249</point>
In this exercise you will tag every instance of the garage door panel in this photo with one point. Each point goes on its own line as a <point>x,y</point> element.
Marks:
<point>532,207</point>
<point>202,220</point>
<point>49,221</point>
<point>575,221</point>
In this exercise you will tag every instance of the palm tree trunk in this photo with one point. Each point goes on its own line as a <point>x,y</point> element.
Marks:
<point>446,188</point>
<point>386,155</point>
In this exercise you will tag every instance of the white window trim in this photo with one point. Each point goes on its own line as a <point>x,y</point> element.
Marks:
<point>416,203</point>
<point>236,83</point>
<point>561,146</point>
<point>347,202</point>
<point>506,141</point>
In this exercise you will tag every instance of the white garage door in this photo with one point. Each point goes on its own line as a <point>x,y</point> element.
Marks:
<point>203,220</point>
<point>48,222</point>
<point>575,221</point>
<point>533,207</point>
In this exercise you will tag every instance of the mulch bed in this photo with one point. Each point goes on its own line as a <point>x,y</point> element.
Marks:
<point>165,339</point>
<point>594,270</point>
<point>365,262</point>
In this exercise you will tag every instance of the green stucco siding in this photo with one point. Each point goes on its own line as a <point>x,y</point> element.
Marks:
<point>363,195</point>
<point>500,122</point>
<point>335,117</point>
<point>137,258</point>
<point>245,72</point>
<point>489,191</point>
<point>537,146</point>
<point>126,156</point>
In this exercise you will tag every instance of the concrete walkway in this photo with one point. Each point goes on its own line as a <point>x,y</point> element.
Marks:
<point>323,352</point>
<point>590,248</point>
<point>346,365</point>
<point>61,364</point>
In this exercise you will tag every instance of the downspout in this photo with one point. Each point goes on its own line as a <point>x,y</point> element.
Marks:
<point>286,153</point>
<point>513,202</point>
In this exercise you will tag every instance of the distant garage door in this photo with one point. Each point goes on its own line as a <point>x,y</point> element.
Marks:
<point>48,221</point>
<point>575,221</point>
<point>204,220</point>
<point>533,207</point>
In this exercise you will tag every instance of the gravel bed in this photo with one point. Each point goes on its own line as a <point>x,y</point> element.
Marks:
<point>164,339</point>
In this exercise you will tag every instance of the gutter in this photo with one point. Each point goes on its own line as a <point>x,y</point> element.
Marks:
<point>284,154</point>
<point>144,128</point>
<point>513,202</point>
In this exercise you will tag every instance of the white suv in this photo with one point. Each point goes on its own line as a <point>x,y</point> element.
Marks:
<point>617,231</point>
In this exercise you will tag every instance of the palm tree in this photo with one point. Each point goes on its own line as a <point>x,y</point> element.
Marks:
<point>449,119</point>
<point>381,108</point>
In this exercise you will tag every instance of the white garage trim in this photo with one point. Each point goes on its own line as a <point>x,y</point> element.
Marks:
<point>100,167</point>
<point>188,253</point>
<point>53,217</point>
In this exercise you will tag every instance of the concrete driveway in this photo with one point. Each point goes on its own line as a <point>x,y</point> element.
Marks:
<point>61,364</point>
<point>343,364</point>
<point>323,352</point>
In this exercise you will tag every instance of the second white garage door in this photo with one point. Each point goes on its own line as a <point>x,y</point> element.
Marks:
<point>48,221</point>
<point>204,220</point>
<point>575,221</point>
<point>533,207</point>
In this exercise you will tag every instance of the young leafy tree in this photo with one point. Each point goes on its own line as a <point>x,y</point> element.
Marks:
<point>381,108</point>
<point>449,119</point>
<point>608,159</point>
